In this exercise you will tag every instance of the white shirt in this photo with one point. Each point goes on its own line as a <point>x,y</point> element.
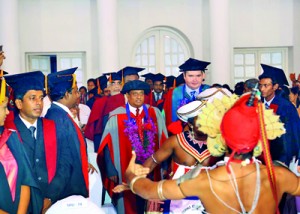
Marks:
<point>84,113</point>
<point>64,108</point>
<point>189,90</point>
<point>27,124</point>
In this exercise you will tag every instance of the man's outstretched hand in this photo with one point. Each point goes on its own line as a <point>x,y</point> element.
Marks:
<point>133,168</point>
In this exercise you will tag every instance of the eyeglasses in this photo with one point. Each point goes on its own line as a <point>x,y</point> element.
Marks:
<point>264,85</point>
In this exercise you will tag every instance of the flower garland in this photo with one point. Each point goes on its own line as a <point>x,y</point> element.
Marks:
<point>144,149</point>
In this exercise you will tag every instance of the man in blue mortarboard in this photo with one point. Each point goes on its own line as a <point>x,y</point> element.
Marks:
<point>38,135</point>
<point>134,125</point>
<point>288,145</point>
<point>130,73</point>
<point>102,80</point>
<point>157,96</point>
<point>149,79</point>
<point>64,94</point>
<point>193,74</point>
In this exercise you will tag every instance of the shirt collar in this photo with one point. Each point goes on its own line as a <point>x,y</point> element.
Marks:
<point>189,90</point>
<point>27,124</point>
<point>133,109</point>
<point>64,108</point>
<point>269,102</point>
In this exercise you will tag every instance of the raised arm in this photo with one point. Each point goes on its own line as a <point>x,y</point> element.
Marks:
<point>162,154</point>
<point>165,189</point>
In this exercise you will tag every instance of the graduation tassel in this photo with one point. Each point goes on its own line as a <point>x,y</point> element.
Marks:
<point>98,86</point>
<point>46,84</point>
<point>74,80</point>
<point>123,78</point>
<point>3,90</point>
<point>174,83</point>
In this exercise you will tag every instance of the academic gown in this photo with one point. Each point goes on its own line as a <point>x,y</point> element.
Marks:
<point>288,145</point>
<point>69,134</point>
<point>175,99</point>
<point>25,177</point>
<point>50,163</point>
<point>99,115</point>
<point>159,103</point>
<point>120,154</point>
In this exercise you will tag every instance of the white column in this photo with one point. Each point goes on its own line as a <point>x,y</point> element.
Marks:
<point>107,34</point>
<point>9,35</point>
<point>220,41</point>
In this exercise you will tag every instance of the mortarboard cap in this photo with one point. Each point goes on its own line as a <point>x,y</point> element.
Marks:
<point>193,65</point>
<point>274,73</point>
<point>103,82</point>
<point>129,71</point>
<point>113,76</point>
<point>61,81</point>
<point>2,73</point>
<point>170,81</point>
<point>148,76</point>
<point>158,77</point>
<point>21,83</point>
<point>135,85</point>
<point>179,80</point>
<point>93,91</point>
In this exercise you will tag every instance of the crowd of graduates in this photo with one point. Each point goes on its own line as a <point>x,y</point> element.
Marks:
<point>51,123</point>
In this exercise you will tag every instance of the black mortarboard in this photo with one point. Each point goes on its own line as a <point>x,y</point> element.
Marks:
<point>170,81</point>
<point>135,85</point>
<point>129,71</point>
<point>21,83</point>
<point>2,72</point>
<point>102,81</point>
<point>113,76</point>
<point>193,65</point>
<point>148,76</point>
<point>179,80</point>
<point>61,81</point>
<point>158,77</point>
<point>274,73</point>
<point>93,91</point>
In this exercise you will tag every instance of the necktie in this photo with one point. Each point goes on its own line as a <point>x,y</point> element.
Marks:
<point>267,106</point>
<point>193,95</point>
<point>32,130</point>
<point>139,124</point>
<point>157,96</point>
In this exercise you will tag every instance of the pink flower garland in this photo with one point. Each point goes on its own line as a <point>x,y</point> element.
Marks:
<point>144,149</point>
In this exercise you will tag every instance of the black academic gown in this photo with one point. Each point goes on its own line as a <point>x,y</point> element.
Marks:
<point>35,150</point>
<point>68,138</point>
<point>25,177</point>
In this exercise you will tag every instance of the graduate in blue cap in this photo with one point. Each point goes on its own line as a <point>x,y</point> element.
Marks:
<point>193,74</point>
<point>19,191</point>
<point>149,79</point>
<point>38,135</point>
<point>288,145</point>
<point>134,126</point>
<point>64,94</point>
<point>130,73</point>
<point>157,96</point>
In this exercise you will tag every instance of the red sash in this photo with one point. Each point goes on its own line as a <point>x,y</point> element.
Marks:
<point>84,159</point>
<point>50,144</point>
<point>50,147</point>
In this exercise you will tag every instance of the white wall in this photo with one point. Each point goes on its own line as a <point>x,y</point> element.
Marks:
<point>56,26</point>
<point>71,25</point>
